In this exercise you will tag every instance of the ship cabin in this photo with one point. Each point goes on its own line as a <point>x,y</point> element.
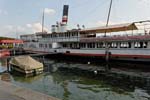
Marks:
<point>122,36</point>
<point>119,36</point>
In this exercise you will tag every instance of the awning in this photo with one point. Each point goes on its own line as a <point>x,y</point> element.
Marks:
<point>112,28</point>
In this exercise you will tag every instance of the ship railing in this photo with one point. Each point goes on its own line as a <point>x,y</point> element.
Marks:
<point>133,29</point>
<point>60,39</point>
<point>117,38</point>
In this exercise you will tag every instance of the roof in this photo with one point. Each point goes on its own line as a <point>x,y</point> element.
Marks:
<point>11,41</point>
<point>112,28</point>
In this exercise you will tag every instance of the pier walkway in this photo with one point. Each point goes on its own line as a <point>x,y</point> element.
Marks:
<point>9,91</point>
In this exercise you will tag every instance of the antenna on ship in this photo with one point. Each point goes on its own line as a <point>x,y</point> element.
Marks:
<point>108,15</point>
<point>43,22</point>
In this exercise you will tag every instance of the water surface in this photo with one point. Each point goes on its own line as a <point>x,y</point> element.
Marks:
<point>68,86</point>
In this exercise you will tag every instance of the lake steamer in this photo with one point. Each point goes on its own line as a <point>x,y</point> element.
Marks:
<point>130,41</point>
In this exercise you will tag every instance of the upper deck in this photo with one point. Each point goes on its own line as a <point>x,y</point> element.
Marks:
<point>120,32</point>
<point>118,38</point>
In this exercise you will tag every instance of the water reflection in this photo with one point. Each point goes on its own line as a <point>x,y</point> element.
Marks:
<point>69,86</point>
<point>3,64</point>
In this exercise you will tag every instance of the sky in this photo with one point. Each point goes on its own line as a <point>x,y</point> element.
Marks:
<point>19,17</point>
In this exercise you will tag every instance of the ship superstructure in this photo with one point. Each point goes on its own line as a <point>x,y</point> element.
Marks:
<point>129,41</point>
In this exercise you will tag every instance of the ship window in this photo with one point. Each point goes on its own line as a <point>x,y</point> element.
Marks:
<point>82,45</point>
<point>113,45</point>
<point>73,34</point>
<point>62,35</point>
<point>125,45</point>
<point>71,46</point>
<point>75,45</point>
<point>140,45</point>
<point>64,45</point>
<point>45,45</point>
<point>99,45</point>
<point>40,45</point>
<point>104,45</point>
<point>50,45</point>
<point>76,34</point>
<point>67,34</point>
<point>91,45</point>
<point>145,45</point>
<point>129,44</point>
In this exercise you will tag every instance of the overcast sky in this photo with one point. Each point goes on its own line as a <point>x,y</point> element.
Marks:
<point>24,16</point>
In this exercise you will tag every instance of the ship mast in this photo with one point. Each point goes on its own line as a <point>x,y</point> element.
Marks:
<point>43,22</point>
<point>107,53</point>
<point>108,15</point>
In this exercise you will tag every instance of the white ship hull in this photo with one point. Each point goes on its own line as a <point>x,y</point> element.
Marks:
<point>124,54</point>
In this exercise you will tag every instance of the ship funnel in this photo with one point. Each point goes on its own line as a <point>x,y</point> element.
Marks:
<point>65,14</point>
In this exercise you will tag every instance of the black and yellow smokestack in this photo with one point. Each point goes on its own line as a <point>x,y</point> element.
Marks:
<point>65,14</point>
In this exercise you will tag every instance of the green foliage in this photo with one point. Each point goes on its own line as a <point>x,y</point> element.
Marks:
<point>4,38</point>
<point>9,46</point>
<point>3,46</point>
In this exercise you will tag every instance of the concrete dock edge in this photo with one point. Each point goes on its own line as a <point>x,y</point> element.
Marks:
<point>9,91</point>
